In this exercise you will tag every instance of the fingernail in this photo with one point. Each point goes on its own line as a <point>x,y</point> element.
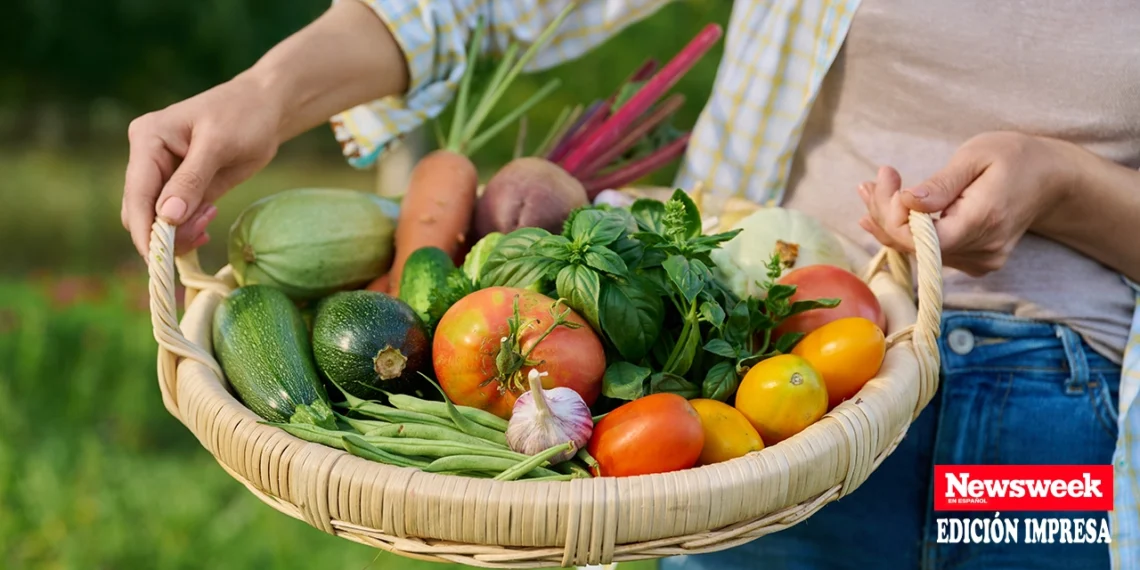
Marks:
<point>919,192</point>
<point>173,209</point>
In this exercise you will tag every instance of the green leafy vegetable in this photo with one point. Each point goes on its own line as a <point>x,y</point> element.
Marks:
<point>625,381</point>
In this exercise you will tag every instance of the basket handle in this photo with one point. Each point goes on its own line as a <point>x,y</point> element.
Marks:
<point>172,344</point>
<point>928,324</point>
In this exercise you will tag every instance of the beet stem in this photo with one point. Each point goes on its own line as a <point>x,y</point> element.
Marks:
<point>563,145</point>
<point>638,168</point>
<point>596,117</point>
<point>478,142</point>
<point>644,72</point>
<point>556,129</point>
<point>580,130</point>
<point>646,96</point>
<point>638,132</point>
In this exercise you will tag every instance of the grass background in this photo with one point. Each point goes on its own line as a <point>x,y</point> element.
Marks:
<point>94,474</point>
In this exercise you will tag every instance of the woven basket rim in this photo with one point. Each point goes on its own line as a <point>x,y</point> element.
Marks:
<point>584,521</point>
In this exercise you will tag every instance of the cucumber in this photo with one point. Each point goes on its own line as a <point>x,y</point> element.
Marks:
<point>311,242</point>
<point>367,343</point>
<point>425,277</point>
<point>263,346</point>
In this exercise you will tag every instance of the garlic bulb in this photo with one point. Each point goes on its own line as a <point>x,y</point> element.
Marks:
<point>544,418</point>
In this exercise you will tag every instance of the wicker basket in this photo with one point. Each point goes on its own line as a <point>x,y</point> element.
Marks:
<point>548,524</point>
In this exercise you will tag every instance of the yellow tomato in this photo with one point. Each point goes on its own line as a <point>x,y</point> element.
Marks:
<point>728,434</point>
<point>781,396</point>
<point>846,352</point>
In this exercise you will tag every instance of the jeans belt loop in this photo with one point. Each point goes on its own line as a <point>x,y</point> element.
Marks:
<point>1078,363</point>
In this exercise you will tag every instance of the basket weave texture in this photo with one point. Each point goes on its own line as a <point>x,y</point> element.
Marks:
<point>522,524</point>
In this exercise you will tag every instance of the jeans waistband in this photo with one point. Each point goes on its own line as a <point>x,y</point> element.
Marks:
<point>996,341</point>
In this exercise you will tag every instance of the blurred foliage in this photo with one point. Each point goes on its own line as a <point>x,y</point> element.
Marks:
<point>75,73</point>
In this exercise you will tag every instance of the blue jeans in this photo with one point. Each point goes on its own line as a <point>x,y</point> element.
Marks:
<point>1013,392</point>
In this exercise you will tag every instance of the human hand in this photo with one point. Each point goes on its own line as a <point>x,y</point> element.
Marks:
<point>186,156</point>
<point>993,190</point>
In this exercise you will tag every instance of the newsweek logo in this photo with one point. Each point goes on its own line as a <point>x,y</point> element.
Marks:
<point>1023,487</point>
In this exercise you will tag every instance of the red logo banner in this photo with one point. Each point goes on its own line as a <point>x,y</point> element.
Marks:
<point>1023,487</point>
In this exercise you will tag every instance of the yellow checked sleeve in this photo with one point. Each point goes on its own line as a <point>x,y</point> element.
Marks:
<point>434,35</point>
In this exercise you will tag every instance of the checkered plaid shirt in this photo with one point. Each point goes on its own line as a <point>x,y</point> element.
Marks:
<point>776,55</point>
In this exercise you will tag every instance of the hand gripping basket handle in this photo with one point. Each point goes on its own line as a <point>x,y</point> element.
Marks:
<point>172,344</point>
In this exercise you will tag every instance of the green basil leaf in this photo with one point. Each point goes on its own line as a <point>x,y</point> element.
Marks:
<point>692,214</point>
<point>649,239</point>
<point>737,327</point>
<point>631,316</point>
<point>685,350</point>
<point>721,347</point>
<point>721,382</point>
<point>658,280</point>
<point>552,246</point>
<point>712,313</point>
<point>629,250</point>
<point>801,306</point>
<point>650,215</point>
<point>703,243</point>
<point>701,269</point>
<point>780,292</point>
<point>687,281</point>
<point>580,285</point>
<point>673,384</point>
<point>787,342</point>
<point>512,250</point>
<point>624,381</point>
<point>597,227</point>
<point>603,259</point>
<point>653,257</point>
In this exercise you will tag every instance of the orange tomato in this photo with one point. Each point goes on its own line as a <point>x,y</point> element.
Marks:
<point>728,434</point>
<point>847,353</point>
<point>781,396</point>
<point>655,434</point>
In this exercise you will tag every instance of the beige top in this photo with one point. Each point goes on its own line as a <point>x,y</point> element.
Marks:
<point>917,79</point>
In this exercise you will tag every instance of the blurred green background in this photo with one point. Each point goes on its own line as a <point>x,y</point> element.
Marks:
<point>94,474</point>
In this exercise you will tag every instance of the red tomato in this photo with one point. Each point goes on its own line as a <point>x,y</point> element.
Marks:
<point>467,350</point>
<point>830,282</point>
<point>654,434</point>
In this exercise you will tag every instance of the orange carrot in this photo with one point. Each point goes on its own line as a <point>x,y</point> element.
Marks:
<point>437,209</point>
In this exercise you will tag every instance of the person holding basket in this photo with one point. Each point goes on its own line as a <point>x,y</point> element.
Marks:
<point>1021,132</point>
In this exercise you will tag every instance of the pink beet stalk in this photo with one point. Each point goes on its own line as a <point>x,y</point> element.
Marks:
<point>638,168</point>
<point>609,132</point>
<point>595,115</point>
<point>582,125</point>
<point>639,130</point>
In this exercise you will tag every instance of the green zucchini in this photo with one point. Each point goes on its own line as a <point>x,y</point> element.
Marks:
<point>367,343</point>
<point>263,346</point>
<point>311,242</point>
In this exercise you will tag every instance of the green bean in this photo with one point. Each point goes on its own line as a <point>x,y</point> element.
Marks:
<point>573,467</point>
<point>436,448</point>
<point>584,456</point>
<point>440,433</point>
<point>439,410</point>
<point>524,467</point>
<point>311,433</point>
<point>495,465</point>
<point>361,448</point>
<point>389,414</point>
<point>466,425</point>
<point>362,426</point>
